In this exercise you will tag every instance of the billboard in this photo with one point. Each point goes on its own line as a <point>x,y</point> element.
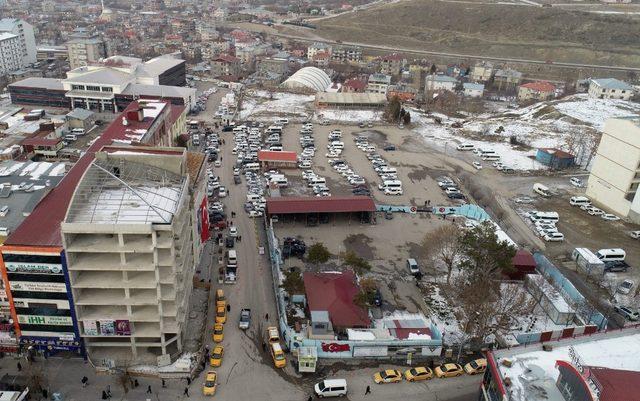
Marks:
<point>50,320</point>
<point>203,220</point>
<point>38,286</point>
<point>42,268</point>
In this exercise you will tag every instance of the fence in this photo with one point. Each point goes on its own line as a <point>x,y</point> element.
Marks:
<point>546,268</point>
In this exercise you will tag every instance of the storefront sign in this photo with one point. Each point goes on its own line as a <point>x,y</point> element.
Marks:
<point>38,286</point>
<point>19,267</point>
<point>335,347</point>
<point>52,320</point>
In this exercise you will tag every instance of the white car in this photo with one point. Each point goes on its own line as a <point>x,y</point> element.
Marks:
<point>217,163</point>
<point>610,217</point>
<point>477,165</point>
<point>222,192</point>
<point>625,287</point>
<point>255,213</point>
<point>576,182</point>
<point>635,234</point>
<point>554,237</point>
<point>594,211</point>
<point>233,231</point>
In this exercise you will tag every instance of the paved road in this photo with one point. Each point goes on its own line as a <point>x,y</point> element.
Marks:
<point>454,55</point>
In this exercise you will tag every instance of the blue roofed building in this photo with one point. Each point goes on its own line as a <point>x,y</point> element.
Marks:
<point>555,158</point>
<point>610,88</point>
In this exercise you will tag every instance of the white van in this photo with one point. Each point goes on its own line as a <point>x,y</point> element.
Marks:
<point>317,181</point>
<point>253,197</point>
<point>486,152</point>
<point>390,184</point>
<point>387,170</point>
<point>281,182</point>
<point>70,138</point>
<point>608,255</point>
<point>541,189</point>
<point>4,211</point>
<point>232,258</point>
<point>78,131</point>
<point>465,146</point>
<point>4,231</point>
<point>331,388</point>
<point>546,216</point>
<point>274,129</point>
<point>491,158</point>
<point>282,121</point>
<point>252,167</point>
<point>579,201</point>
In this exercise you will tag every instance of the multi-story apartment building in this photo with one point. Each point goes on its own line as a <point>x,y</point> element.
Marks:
<point>348,54</point>
<point>610,88</point>
<point>378,83</point>
<point>35,268</point>
<point>128,236</point>
<point>85,48</point>
<point>392,64</point>
<point>317,47</point>
<point>27,39</point>
<point>10,53</point>
<point>615,175</point>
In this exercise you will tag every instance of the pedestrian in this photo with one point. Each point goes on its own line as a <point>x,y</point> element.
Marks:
<point>264,347</point>
<point>19,367</point>
<point>206,349</point>
<point>136,384</point>
<point>45,393</point>
<point>310,398</point>
<point>84,381</point>
<point>109,391</point>
<point>239,238</point>
<point>186,391</point>
<point>164,384</point>
<point>149,389</point>
<point>104,395</point>
<point>266,316</point>
<point>368,390</point>
<point>188,381</point>
<point>228,308</point>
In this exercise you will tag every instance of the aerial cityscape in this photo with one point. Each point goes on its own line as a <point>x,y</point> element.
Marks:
<point>273,200</point>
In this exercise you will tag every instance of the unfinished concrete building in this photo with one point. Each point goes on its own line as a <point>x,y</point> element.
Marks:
<point>129,237</point>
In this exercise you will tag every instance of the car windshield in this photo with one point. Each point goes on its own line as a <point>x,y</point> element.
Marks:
<point>321,386</point>
<point>210,383</point>
<point>217,355</point>
<point>474,364</point>
<point>626,284</point>
<point>217,331</point>
<point>413,372</point>
<point>279,357</point>
<point>221,312</point>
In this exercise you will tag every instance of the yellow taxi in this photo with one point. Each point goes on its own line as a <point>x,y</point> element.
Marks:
<point>221,314</point>
<point>476,366</point>
<point>221,300</point>
<point>388,376</point>
<point>215,359</point>
<point>418,373</point>
<point>449,370</point>
<point>279,360</point>
<point>218,332</point>
<point>210,383</point>
<point>272,335</point>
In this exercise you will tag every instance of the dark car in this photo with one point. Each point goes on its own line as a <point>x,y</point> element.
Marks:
<point>389,148</point>
<point>456,195</point>
<point>229,242</point>
<point>237,179</point>
<point>616,266</point>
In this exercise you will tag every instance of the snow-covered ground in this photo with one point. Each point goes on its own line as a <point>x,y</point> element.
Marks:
<point>263,105</point>
<point>349,116</point>
<point>559,123</point>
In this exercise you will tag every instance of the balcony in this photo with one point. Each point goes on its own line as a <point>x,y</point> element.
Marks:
<point>110,261</point>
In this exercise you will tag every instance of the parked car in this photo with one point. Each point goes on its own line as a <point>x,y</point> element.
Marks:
<point>635,234</point>
<point>576,182</point>
<point>215,359</point>
<point>625,287</point>
<point>229,242</point>
<point>218,332</point>
<point>627,313</point>
<point>245,319</point>
<point>449,370</point>
<point>476,366</point>
<point>477,165</point>
<point>412,265</point>
<point>609,217</point>
<point>554,237</point>
<point>615,266</point>
<point>418,373</point>
<point>388,376</point>
<point>389,148</point>
<point>233,231</point>
<point>210,383</point>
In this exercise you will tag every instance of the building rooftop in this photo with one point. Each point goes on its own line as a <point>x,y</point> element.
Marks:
<point>329,204</point>
<point>158,90</point>
<point>36,82</point>
<point>80,114</point>
<point>42,227</point>
<point>532,369</point>
<point>472,86</point>
<point>351,98</point>
<point>119,191</point>
<point>612,83</point>
<point>441,78</point>
<point>7,35</point>
<point>158,65</point>
<point>561,154</point>
<point>267,155</point>
<point>539,86</point>
<point>106,76</point>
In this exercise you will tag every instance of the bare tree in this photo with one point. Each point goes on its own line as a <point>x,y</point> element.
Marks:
<point>443,245</point>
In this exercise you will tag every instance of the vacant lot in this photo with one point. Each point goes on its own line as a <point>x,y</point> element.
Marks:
<point>493,29</point>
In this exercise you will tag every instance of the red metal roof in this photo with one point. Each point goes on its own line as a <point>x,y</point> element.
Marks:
<point>616,384</point>
<point>41,141</point>
<point>273,156</point>
<point>524,258</point>
<point>42,226</point>
<point>329,204</point>
<point>334,293</point>
<point>539,86</point>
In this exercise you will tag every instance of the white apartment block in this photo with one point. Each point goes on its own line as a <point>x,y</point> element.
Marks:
<point>84,51</point>
<point>615,175</point>
<point>27,39</point>
<point>10,53</point>
<point>610,88</point>
<point>132,242</point>
<point>378,83</point>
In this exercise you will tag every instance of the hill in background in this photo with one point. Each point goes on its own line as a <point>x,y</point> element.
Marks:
<point>494,30</point>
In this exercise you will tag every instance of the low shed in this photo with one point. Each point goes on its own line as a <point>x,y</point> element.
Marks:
<point>319,209</point>
<point>523,264</point>
<point>555,158</point>
<point>271,159</point>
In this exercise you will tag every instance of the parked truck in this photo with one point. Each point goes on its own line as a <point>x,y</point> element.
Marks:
<point>587,261</point>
